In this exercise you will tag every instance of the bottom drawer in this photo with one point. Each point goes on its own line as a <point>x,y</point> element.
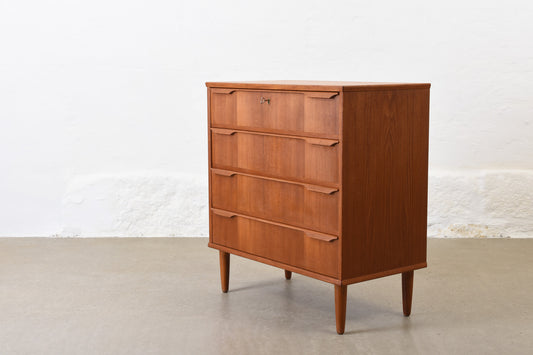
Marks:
<point>307,250</point>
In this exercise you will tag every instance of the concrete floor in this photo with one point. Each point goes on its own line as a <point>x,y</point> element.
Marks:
<point>162,296</point>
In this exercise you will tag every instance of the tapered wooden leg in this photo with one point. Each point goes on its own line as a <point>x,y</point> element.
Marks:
<point>340,307</point>
<point>224,271</point>
<point>288,274</point>
<point>407,291</point>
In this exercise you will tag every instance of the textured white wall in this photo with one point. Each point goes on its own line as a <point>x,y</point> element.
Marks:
<point>103,104</point>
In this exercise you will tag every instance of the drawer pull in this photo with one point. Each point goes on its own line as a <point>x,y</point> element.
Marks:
<point>320,236</point>
<point>223,172</point>
<point>322,95</point>
<point>320,141</point>
<point>314,141</point>
<point>223,213</point>
<point>321,189</point>
<point>226,132</point>
<point>223,91</point>
<point>306,233</point>
<point>309,187</point>
<point>263,100</point>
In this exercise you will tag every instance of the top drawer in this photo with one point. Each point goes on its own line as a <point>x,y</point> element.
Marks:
<point>292,112</point>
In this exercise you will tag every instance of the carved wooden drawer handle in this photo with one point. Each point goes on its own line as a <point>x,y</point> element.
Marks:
<point>320,236</point>
<point>314,141</point>
<point>223,172</point>
<point>321,189</point>
<point>223,213</point>
<point>307,233</point>
<point>309,187</point>
<point>223,91</point>
<point>322,95</point>
<point>226,132</point>
<point>321,141</point>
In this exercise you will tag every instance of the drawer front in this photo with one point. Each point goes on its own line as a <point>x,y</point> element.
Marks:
<point>309,160</point>
<point>299,113</point>
<point>302,205</point>
<point>282,244</point>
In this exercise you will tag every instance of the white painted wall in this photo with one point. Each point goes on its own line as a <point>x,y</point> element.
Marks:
<point>103,104</point>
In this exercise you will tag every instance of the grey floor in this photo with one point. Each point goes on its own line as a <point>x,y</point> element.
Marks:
<point>162,296</point>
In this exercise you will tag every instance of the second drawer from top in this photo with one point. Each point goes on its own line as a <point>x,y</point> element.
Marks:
<point>302,159</point>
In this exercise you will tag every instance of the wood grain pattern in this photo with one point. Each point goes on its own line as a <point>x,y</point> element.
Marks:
<point>298,113</point>
<point>299,270</point>
<point>327,179</point>
<point>283,157</point>
<point>307,233</point>
<point>209,90</point>
<point>307,206</point>
<point>305,85</point>
<point>385,165</point>
<point>384,273</point>
<point>286,245</point>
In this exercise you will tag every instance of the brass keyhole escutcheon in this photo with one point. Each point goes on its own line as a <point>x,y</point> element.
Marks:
<point>263,100</point>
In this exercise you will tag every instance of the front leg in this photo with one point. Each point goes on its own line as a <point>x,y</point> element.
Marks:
<point>407,291</point>
<point>340,307</point>
<point>224,270</point>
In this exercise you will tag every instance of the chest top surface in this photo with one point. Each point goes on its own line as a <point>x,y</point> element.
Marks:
<point>306,85</point>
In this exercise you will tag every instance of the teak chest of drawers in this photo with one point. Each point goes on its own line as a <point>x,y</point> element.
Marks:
<point>325,179</point>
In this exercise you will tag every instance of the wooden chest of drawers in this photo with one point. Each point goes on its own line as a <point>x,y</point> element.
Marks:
<point>325,179</point>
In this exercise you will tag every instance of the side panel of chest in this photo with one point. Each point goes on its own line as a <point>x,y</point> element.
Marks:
<point>385,166</point>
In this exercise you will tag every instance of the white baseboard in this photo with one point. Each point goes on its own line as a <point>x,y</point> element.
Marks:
<point>479,204</point>
<point>488,203</point>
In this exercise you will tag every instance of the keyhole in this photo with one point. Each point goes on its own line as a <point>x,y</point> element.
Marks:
<point>263,100</point>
